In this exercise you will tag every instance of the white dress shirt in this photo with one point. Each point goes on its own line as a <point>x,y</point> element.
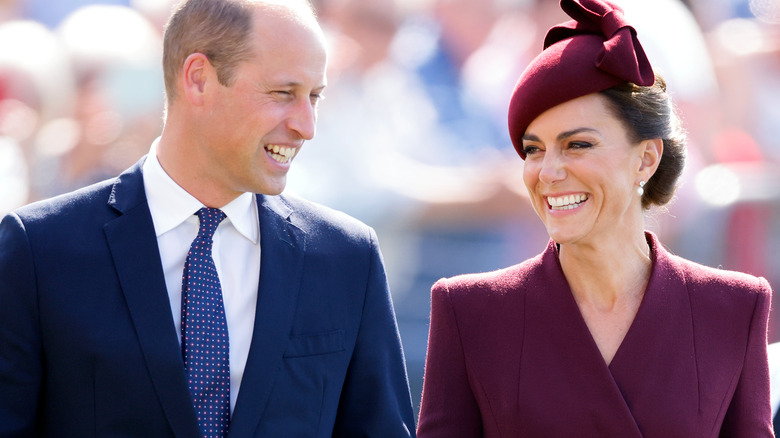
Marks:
<point>236,254</point>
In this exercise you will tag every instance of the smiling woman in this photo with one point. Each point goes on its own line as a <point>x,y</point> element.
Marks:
<point>580,155</point>
<point>605,333</point>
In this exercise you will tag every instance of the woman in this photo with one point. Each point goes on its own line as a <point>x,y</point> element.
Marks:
<point>604,334</point>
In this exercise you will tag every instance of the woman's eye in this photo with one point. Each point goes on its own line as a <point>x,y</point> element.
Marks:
<point>530,150</point>
<point>579,145</point>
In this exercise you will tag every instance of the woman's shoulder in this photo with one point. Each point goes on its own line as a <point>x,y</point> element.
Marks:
<point>720,298</point>
<point>672,272</point>
<point>707,279</point>
<point>505,282</point>
<point>485,305</point>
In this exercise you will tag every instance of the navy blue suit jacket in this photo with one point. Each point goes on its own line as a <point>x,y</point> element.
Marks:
<point>88,345</point>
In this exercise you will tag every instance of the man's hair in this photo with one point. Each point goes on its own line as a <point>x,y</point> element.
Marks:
<point>219,29</point>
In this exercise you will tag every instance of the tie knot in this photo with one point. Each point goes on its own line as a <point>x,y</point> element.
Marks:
<point>209,220</point>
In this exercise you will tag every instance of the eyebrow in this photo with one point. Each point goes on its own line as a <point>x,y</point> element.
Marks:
<point>296,84</point>
<point>562,136</point>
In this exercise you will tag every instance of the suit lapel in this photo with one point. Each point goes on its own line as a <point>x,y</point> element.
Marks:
<point>133,244</point>
<point>282,247</point>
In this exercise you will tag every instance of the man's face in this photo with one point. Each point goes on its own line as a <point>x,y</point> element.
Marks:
<point>258,124</point>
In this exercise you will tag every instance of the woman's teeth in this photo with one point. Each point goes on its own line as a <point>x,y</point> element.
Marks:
<point>281,154</point>
<point>566,202</point>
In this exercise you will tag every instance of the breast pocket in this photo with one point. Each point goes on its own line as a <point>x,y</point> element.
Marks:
<point>306,393</point>
<point>315,344</point>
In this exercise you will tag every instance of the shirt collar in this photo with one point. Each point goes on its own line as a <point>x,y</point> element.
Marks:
<point>171,205</point>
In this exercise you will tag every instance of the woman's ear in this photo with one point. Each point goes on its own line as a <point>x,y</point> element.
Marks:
<point>651,152</point>
<point>195,75</point>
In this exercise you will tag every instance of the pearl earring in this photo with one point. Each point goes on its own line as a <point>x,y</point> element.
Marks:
<point>641,189</point>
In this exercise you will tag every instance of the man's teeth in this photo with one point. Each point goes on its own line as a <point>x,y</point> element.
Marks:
<point>567,202</point>
<point>281,154</point>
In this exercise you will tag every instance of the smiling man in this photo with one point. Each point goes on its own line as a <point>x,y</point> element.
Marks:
<point>188,297</point>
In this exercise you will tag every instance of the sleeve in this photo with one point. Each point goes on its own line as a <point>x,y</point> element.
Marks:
<point>750,413</point>
<point>448,408</point>
<point>20,339</point>
<point>375,399</point>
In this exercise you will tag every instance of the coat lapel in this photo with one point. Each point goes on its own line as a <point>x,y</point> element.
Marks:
<point>657,356</point>
<point>564,380</point>
<point>133,245</point>
<point>651,386</point>
<point>282,247</point>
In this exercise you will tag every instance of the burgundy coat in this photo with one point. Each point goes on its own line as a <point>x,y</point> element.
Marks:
<point>509,355</point>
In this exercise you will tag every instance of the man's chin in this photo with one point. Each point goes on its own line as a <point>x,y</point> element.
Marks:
<point>271,188</point>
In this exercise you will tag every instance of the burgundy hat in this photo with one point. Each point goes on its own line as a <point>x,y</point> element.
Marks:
<point>596,50</point>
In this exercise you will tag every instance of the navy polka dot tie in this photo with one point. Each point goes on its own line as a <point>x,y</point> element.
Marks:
<point>204,333</point>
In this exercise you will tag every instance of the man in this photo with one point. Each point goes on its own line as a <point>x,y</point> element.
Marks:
<point>103,291</point>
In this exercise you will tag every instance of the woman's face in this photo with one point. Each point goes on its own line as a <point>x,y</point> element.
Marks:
<point>582,172</point>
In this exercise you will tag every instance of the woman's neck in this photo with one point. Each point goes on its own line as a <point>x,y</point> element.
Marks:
<point>608,272</point>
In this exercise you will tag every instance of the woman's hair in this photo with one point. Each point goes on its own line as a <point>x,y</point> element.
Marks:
<point>648,113</point>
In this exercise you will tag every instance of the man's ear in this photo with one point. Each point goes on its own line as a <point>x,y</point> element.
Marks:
<point>651,152</point>
<point>196,73</point>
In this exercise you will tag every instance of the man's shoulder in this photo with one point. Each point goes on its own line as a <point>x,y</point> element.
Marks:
<point>312,214</point>
<point>98,201</point>
<point>84,202</point>
<point>322,225</point>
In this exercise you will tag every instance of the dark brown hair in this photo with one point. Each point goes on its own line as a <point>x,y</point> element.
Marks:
<point>648,113</point>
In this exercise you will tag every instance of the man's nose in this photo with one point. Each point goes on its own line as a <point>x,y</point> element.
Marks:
<point>303,119</point>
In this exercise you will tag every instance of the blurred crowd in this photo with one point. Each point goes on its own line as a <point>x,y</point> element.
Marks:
<point>412,135</point>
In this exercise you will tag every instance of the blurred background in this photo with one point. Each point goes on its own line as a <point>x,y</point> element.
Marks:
<point>412,134</point>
